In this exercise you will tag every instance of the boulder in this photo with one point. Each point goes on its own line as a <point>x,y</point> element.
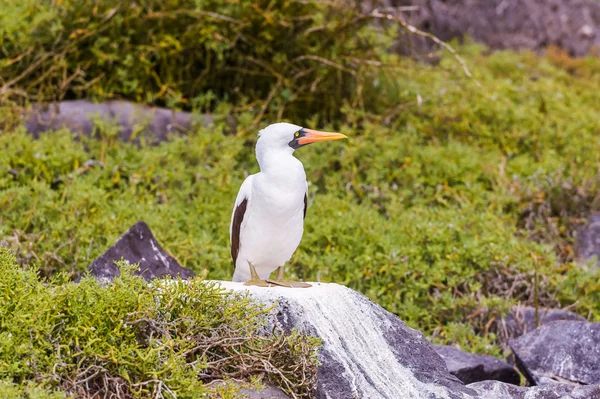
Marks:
<point>79,116</point>
<point>469,367</point>
<point>138,245</point>
<point>573,25</point>
<point>522,319</point>
<point>561,351</point>
<point>366,351</point>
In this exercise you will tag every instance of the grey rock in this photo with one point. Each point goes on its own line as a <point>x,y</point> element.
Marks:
<point>79,116</point>
<point>366,351</point>
<point>498,389</point>
<point>138,245</point>
<point>573,25</point>
<point>268,392</point>
<point>501,390</point>
<point>588,240</point>
<point>469,367</point>
<point>522,319</point>
<point>561,351</point>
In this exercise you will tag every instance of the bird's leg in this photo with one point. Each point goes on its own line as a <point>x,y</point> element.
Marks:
<point>255,279</point>
<point>280,270</point>
<point>291,284</point>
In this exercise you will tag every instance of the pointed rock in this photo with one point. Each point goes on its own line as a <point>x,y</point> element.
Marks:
<point>138,245</point>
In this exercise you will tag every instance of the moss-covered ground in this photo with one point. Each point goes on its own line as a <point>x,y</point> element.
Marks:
<point>449,203</point>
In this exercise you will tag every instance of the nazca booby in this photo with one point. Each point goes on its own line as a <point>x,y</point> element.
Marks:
<point>268,215</point>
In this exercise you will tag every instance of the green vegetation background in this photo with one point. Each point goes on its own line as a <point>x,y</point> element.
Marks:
<point>449,203</point>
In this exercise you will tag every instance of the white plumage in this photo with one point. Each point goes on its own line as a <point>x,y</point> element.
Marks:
<point>268,215</point>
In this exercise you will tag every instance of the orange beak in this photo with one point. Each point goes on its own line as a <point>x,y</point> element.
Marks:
<point>312,136</point>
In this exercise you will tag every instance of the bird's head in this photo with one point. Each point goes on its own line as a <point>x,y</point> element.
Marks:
<point>289,137</point>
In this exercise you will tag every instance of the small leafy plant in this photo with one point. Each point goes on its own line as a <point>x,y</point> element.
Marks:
<point>131,340</point>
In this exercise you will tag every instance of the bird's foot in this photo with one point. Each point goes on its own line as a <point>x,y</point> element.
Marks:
<point>259,283</point>
<point>255,279</point>
<point>290,284</point>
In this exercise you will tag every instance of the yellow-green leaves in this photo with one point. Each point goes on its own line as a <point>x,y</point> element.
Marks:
<point>132,338</point>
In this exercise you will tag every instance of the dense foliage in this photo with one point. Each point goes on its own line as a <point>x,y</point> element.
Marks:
<point>303,56</point>
<point>133,340</point>
<point>448,213</point>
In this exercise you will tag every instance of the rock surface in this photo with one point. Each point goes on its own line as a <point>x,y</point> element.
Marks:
<point>79,115</point>
<point>501,390</point>
<point>573,25</point>
<point>270,392</point>
<point>138,245</point>
<point>367,352</point>
<point>522,320</point>
<point>469,367</point>
<point>561,351</point>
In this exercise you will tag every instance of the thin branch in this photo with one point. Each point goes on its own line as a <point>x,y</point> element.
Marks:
<point>324,61</point>
<point>379,15</point>
<point>266,103</point>
<point>196,14</point>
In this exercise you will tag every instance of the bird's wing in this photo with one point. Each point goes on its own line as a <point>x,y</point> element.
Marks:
<point>242,202</point>
<point>305,200</point>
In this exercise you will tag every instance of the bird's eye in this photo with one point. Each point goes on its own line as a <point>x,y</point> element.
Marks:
<point>297,134</point>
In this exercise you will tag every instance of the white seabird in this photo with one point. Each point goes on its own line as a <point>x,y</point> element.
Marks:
<point>268,215</point>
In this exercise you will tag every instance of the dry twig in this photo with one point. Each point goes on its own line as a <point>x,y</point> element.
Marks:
<point>412,29</point>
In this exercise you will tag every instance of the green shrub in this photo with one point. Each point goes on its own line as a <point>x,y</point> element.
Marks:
<point>130,339</point>
<point>28,391</point>
<point>292,57</point>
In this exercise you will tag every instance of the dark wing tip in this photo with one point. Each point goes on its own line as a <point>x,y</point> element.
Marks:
<point>238,217</point>
<point>305,204</point>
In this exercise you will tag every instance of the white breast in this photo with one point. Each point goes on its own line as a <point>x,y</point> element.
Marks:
<point>273,223</point>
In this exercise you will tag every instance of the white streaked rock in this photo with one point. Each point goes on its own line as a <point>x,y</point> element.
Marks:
<point>367,352</point>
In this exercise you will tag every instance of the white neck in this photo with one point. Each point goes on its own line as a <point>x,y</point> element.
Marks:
<point>267,154</point>
<point>279,164</point>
